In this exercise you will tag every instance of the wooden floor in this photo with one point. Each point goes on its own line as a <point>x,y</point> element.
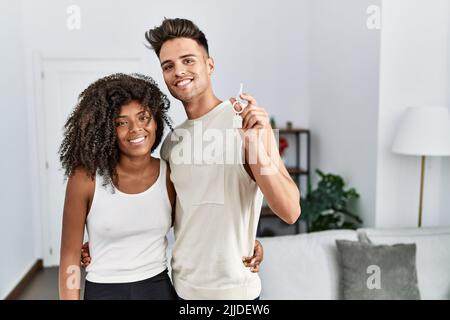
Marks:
<point>44,286</point>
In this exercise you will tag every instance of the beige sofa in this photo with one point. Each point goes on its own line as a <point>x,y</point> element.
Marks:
<point>306,266</point>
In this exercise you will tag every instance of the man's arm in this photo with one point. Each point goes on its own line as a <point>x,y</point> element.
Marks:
<point>254,261</point>
<point>263,159</point>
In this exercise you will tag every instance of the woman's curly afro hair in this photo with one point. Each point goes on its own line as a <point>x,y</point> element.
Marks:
<point>90,132</point>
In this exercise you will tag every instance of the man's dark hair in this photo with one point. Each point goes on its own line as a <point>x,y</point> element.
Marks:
<point>172,29</point>
<point>90,131</point>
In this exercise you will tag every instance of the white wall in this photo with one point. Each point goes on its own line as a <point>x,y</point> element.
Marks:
<point>265,49</point>
<point>311,62</point>
<point>259,43</point>
<point>344,96</point>
<point>445,174</point>
<point>16,228</point>
<point>413,72</point>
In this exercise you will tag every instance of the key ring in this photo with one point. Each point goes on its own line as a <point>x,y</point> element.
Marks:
<point>243,103</point>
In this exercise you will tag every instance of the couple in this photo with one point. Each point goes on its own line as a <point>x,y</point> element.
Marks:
<point>128,199</point>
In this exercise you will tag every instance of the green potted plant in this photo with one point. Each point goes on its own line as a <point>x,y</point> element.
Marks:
<point>326,207</point>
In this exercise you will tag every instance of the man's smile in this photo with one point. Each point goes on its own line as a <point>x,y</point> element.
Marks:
<point>183,83</point>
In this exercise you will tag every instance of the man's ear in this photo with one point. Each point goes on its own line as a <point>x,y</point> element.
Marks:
<point>210,64</point>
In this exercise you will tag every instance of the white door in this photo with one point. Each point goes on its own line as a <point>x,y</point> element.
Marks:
<point>62,81</point>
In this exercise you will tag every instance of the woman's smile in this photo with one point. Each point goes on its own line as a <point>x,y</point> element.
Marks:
<point>137,141</point>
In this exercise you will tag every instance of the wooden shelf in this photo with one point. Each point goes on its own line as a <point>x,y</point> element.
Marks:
<point>292,130</point>
<point>297,171</point>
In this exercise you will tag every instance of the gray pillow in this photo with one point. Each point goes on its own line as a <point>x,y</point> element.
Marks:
<point>378,272</point>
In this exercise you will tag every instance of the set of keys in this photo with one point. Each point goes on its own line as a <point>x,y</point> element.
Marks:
<point>237,121</point>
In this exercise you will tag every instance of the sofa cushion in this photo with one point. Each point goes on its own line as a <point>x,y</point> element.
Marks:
<point>303,266</point>
<point>378,272</point>
<point>432,256</point>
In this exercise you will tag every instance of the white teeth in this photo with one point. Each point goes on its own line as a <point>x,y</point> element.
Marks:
<point>137,140</point>
<point>183,83</point>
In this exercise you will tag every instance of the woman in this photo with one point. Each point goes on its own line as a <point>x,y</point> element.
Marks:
<point>118,191</point>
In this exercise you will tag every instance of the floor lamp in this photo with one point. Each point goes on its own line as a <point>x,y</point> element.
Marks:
<point>423,131</point>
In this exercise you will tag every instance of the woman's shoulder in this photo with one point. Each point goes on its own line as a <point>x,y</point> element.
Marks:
<point>82,173</point>
<point>82,178</point>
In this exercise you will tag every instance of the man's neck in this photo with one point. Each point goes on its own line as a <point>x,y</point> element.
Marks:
<point>201,105</point>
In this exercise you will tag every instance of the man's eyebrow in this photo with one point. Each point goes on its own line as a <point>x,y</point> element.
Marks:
<point>182,57</point>
<point>188,55</point>
<point>164,62</point>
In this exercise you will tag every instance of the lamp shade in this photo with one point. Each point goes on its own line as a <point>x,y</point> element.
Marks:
<point>423,131</point>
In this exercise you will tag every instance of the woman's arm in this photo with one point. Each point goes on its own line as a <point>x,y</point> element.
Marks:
<point>79,191</point>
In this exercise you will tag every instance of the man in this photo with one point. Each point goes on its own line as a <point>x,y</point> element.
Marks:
<point>218,204</point>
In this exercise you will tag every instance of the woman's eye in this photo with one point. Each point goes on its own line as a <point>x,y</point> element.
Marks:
<point>121,123</point>
<point>145,118</point>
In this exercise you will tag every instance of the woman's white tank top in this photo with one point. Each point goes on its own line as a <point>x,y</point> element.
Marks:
<point>127,232</point>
